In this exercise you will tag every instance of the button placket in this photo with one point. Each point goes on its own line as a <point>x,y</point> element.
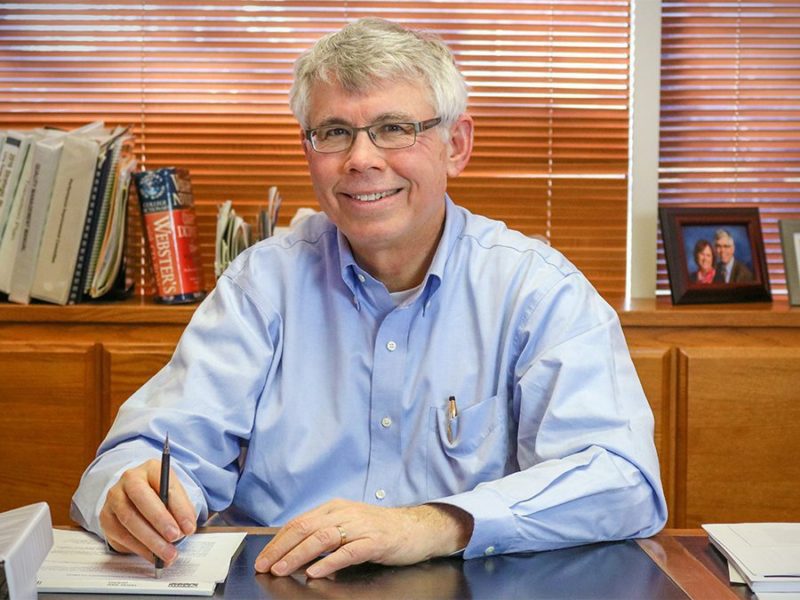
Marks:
<point>389,358</point>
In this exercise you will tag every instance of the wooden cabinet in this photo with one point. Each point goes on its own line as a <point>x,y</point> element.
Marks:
<point>732,384</point>
<point>50,418</point>
<point>741,410</point>
<point>723,383</point>
<point>656,368</point>
<point>64,371</point>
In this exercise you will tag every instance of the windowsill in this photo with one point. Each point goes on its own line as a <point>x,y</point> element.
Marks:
<point>656,312</point>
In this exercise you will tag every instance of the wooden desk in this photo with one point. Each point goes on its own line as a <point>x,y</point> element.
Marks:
<point>675,564</point>
<point>688,558</point>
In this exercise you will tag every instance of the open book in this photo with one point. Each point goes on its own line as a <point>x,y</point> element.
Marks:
<point>79,562</point>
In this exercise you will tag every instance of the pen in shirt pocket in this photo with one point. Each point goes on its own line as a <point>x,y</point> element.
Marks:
<point>452,424</point>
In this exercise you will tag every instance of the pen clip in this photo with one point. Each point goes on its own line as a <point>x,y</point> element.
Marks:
<point>452,414</point>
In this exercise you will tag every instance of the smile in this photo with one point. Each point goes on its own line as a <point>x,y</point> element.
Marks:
<point>374,196</point>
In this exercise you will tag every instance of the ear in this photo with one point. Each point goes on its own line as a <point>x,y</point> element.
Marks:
<point>307,150</point>
<point>459,147</point>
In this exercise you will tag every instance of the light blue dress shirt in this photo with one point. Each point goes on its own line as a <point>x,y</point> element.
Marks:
<point>303,358</point>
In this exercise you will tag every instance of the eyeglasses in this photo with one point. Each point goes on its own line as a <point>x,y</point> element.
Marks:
<point>387,135</point>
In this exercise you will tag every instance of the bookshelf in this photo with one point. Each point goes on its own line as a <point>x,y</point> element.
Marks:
<point>722,381</point>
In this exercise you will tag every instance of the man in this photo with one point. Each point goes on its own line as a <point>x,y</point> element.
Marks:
<point>409,380</point>
<point>729,270</point>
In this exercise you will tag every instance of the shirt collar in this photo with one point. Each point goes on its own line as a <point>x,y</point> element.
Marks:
<point>454,223</point>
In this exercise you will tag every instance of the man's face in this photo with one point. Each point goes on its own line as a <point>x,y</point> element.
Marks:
<point>724,249</point>
<point>383,200</point>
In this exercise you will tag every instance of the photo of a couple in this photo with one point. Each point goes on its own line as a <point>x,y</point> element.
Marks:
<point>721,261</point>
<point>714,254</point>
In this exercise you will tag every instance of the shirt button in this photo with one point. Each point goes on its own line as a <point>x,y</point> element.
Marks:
<point>361,278</point>
<point>489,550</point>
<point>380,494</point>
<point>391,346</point>
<point>386,421</point>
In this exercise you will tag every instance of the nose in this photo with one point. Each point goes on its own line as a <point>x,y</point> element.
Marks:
<point>363,154</point>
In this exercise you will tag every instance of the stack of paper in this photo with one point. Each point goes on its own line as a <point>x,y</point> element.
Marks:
<point>80,563</point>
<point>233,237</point>
<point>766,555</point>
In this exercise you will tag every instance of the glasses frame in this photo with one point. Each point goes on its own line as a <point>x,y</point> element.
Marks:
<point>418,126</point>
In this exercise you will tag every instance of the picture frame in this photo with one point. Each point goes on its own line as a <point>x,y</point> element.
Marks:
<point>790,245</point>
<point>714,255</point>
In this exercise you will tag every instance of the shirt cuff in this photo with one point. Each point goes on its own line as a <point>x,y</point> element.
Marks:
<point>494,530</point>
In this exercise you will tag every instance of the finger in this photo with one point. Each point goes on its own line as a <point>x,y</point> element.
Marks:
<point>121,540</point>
<point>180,506</point>
<point>142,493</point>
<point>327,539</point>
<point>123,519</point>
<point>289,536</point>
<point>352,553</point>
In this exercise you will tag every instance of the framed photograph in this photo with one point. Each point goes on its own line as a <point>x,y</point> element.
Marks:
<point>790,243</point>
<point>714,255</point>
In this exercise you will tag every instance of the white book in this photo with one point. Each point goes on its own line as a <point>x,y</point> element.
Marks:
<point>80,563</point>
<point>766,555</point>
<point>9,244</point>
<point>46,154</point>
<point>66,216</point>
<point>26,536</point>
<point>12,158</point>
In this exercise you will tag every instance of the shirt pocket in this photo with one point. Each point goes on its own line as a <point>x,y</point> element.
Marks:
<point>476,451</point>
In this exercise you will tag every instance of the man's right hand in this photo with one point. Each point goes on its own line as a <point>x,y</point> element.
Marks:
<point>135,520</point>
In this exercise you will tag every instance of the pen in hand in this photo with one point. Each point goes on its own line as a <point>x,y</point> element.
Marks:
<point>163,493</point>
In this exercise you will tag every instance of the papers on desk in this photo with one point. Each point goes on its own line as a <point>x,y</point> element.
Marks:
<point>766,555</point>
<point>79,562</point>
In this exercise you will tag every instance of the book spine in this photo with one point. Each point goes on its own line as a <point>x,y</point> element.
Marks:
<point>111,256</point>
<point>65,220</point>
<point>77,286</point>
<point>45,164</point>
<point>11,158</point>
<point>107,190</point>
<point>167,205</point>
<point>9,245</point>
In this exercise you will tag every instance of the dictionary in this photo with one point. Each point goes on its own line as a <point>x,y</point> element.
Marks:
<point>170,226</point>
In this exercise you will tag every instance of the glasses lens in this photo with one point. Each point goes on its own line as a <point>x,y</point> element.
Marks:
<point>334,138</point>
<point>393,135</point>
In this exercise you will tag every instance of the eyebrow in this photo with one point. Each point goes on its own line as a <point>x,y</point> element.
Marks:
<point>382,118</point>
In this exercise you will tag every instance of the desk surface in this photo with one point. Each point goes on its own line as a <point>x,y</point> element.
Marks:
<point>675,564</point>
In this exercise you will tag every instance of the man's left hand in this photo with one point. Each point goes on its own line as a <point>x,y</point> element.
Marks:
<point>353,533</point>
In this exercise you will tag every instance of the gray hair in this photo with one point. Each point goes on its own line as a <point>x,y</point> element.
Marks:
<point>367,52</point>
<point>723,233</point>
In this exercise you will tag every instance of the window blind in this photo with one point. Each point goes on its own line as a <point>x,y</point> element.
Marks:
<point>204,86</point>
<point>730,114</point>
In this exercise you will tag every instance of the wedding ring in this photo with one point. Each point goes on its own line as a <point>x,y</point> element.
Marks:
<point>342,536</point>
